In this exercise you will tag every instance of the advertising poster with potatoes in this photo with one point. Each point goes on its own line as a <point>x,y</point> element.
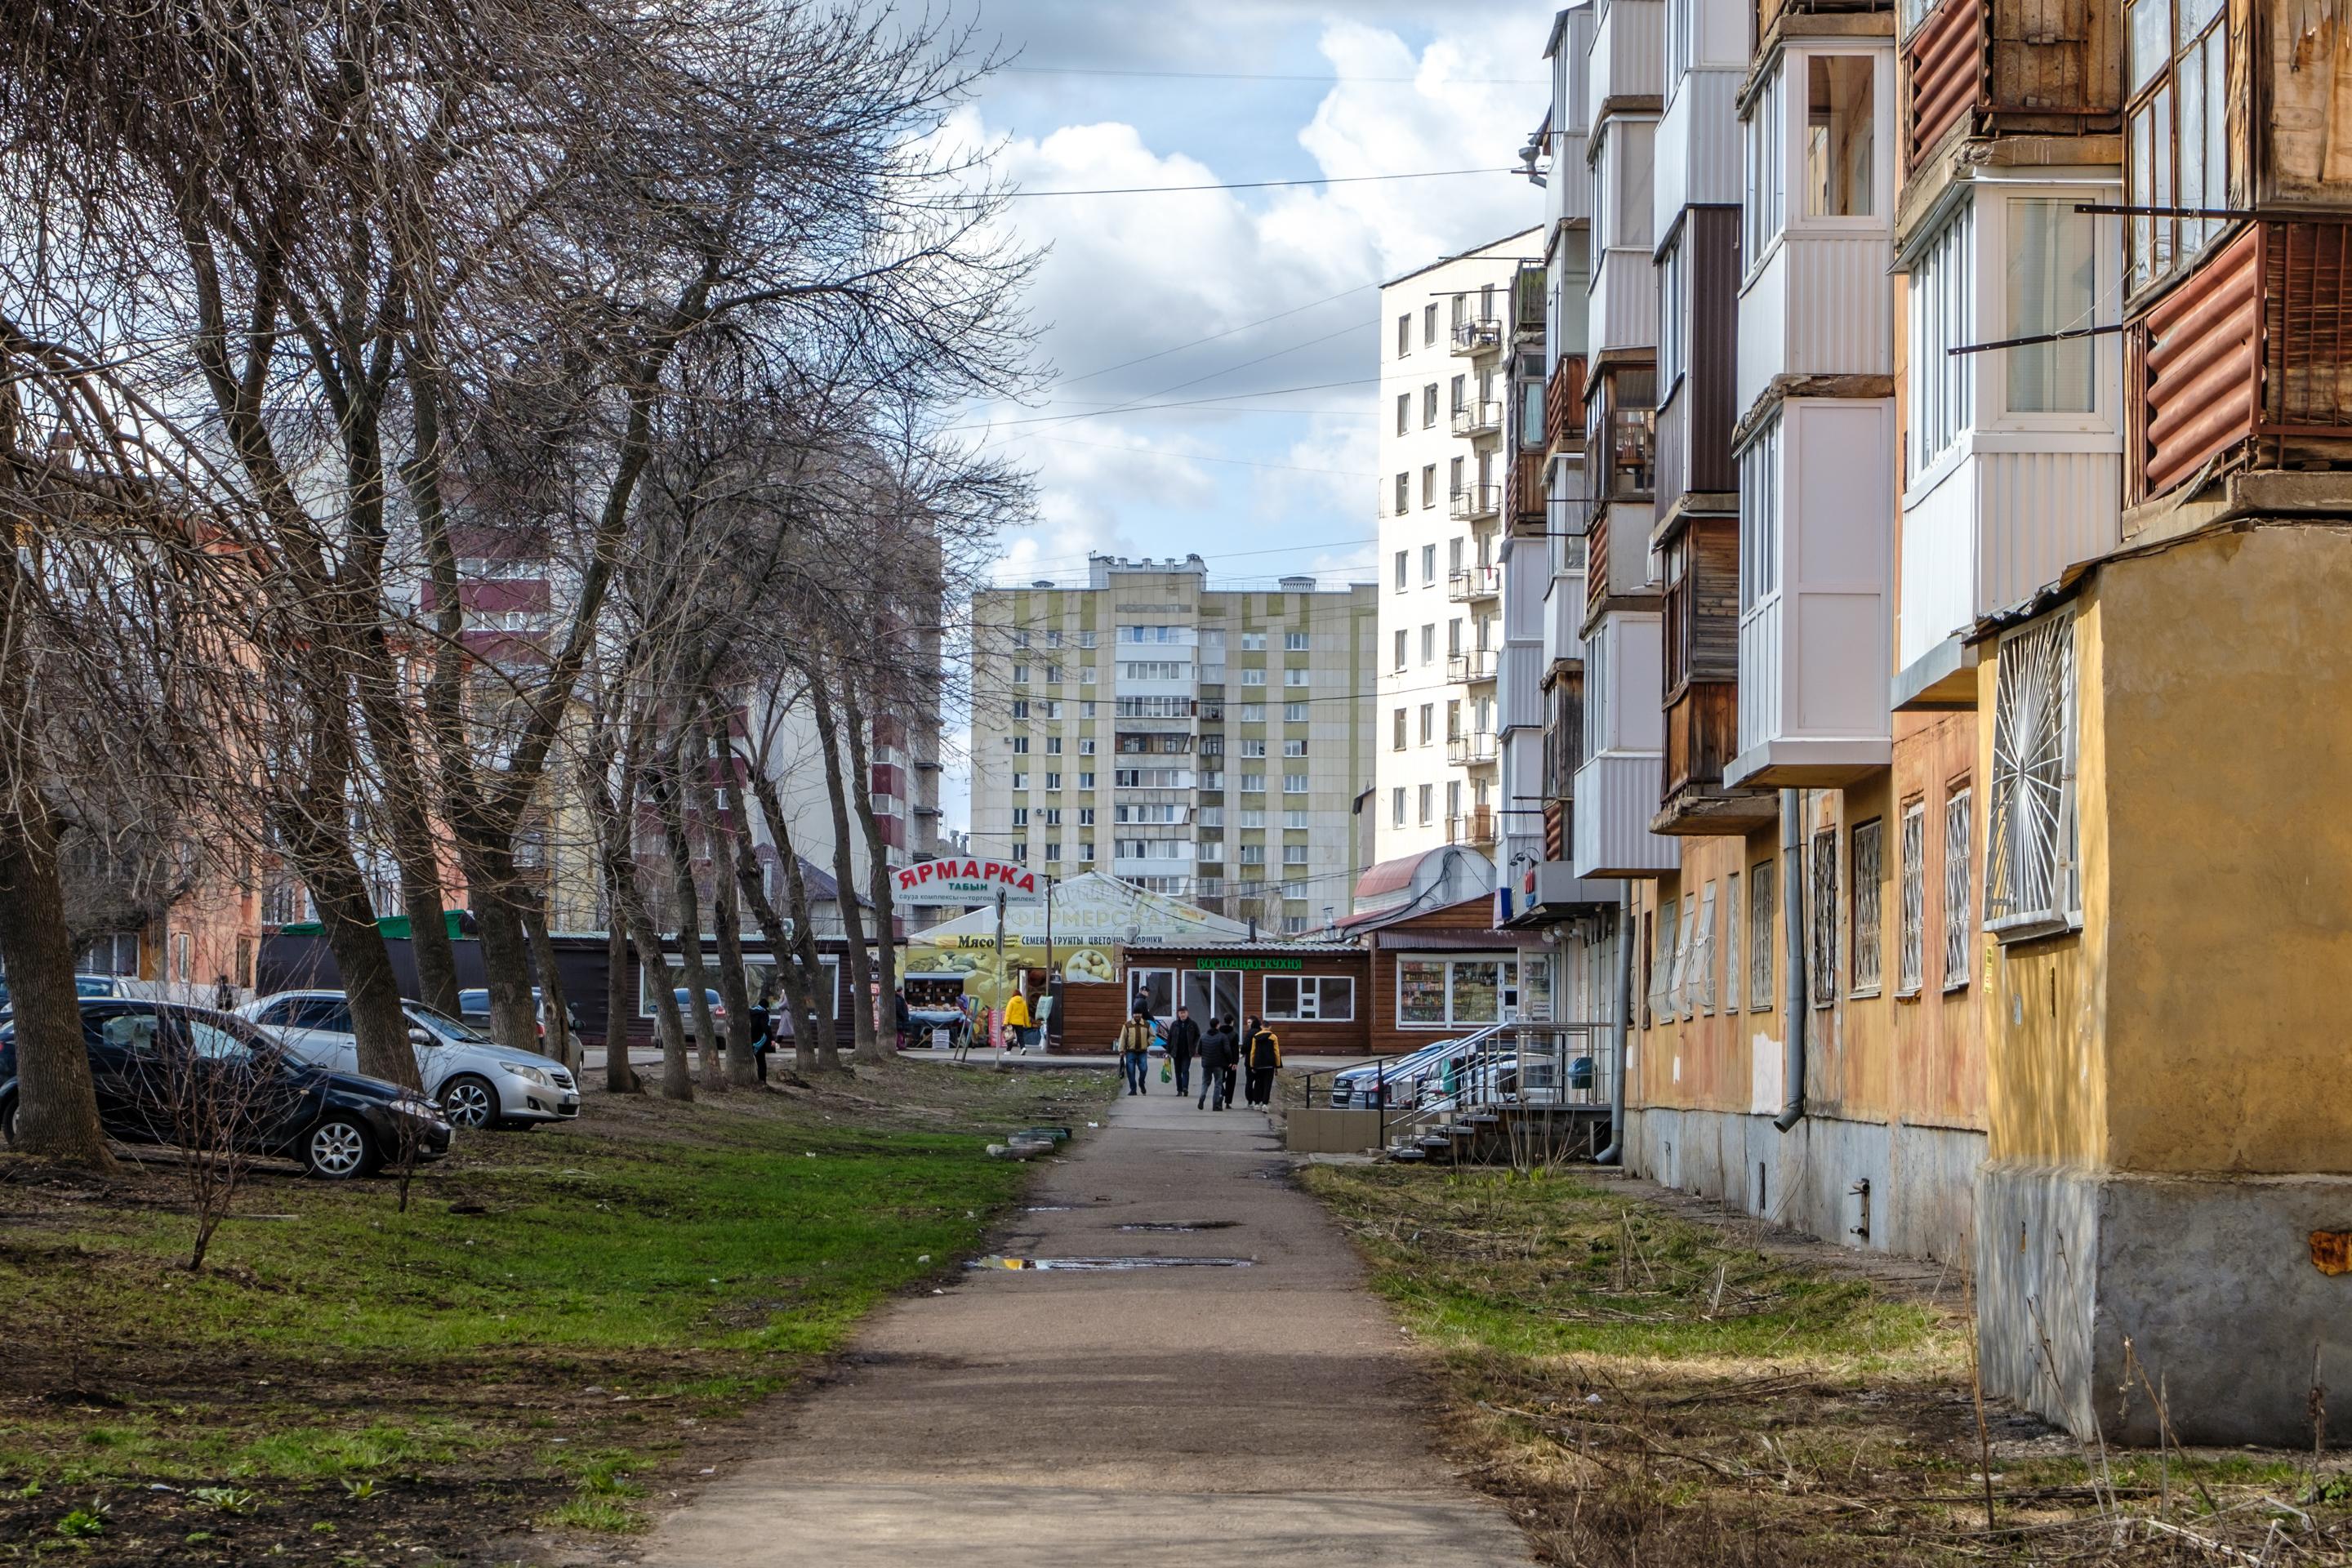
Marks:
<point>1095,918</point>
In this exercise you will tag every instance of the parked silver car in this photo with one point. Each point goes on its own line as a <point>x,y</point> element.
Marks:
<point>476,1081</point>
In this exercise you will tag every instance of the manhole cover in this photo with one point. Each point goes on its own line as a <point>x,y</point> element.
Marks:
<point>1182,1227</point>
<point>1104,1265</point>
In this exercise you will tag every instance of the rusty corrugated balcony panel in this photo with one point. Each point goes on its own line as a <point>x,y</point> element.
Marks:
<point>1564,403</point>
<point>2192,364</point>
<point>2029,66</point>
<point>1944,60</point>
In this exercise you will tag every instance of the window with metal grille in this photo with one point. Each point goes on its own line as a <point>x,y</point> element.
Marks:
<point>1911,937</point>
<point>2032,883</point>
<point>1761,880</point>
<point>1960,847</point>
<point>1661,969</point>
<point>1734,955</point>
<point>1824,917</point>
<point>1701,979</point>
<point>1678,1000</point>
<point>1868,864</point>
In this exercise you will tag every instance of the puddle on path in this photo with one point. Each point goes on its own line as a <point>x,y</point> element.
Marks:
<point>1182,1227</point>
<point>1049,1209</point>
<point>1104,1265</point>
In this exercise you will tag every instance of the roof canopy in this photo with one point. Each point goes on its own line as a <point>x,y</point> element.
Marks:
<point>1100,909</point>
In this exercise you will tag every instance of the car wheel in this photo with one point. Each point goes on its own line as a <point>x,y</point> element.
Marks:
<point>339,1149</point>
<point>470,1101</point>
<point>8,1122</point>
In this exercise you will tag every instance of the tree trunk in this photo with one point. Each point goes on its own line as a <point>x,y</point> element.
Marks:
<point>667,800</point>
<point>678,1077</point>
<point>321,853</point>
<point>793,965</point>
<point>877,867</point>
<point>726,919</point>
<point>620,1078</point>
<point>487,851</point>
<point>816,995</point>
<point>559,1043</point>
<point>411,831</point>
<point>57,1104</point>
<point>844,878</point>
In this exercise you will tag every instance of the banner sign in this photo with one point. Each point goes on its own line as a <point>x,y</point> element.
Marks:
<point>957,880</point>
<point>1207,961</point>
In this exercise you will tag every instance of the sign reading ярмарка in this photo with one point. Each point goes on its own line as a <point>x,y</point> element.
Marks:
<point>960,879</point>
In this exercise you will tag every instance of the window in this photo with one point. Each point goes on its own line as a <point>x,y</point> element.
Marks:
<point>1681,25</point>
<point>1867,864</point>
<point>1824,917</point>
<point>1428,723</point>
<point>1672,323</point>
<point>1428,802</point>
<point>1453,636</point>
<point>1404,334</point>
<point>1839,126</point>
<point>1401,643</point>
<point>1461,400</point>
<point>1702,979</point>
<point>1251,714</point>
<point>1735,957</point>
<point>1429,323</point>
<point>1429,406</point>
<point>1404,412</point>
<point>1453,719</point>
<point>1053,675</point>
<point>1440,992</point>
<point>1911,932</point>
<point>1453,797</point>
<point>1293,784</point>
<point>1086,678</point>
<point>1293,854</point>
<point>1086,781</point>
<point>2032,883</point>
<point>1429,643</point>
<point>1052,639</point>
<point>1085,816</point>
<point>1020,711</point>
<point>1087,849</point>
<point>1943,317</point>
<point>1294,712</point>
<point>1396,806</point>
<point>1396,731</point>
<point>1252,642</point>
<point>1453,555</point>
<point>1020,781</point>
<point>1213,817</point>
<point>1053,745</point>
<point>1959,846</point>
<point>1456,481</point>
<point>115,955</point>
<point>1759,936</point>
<point>1295,817</point>
<point>1310,998</point>
<point>1053,781</point>
<point>1020,675</point>
<point>1294,748</point>
<point>1404,505</point>
<point>1763,208</point>
<point>1254,819</point>
<point>1252,854</point>
<point>2054,285</point>
<point>1294,642</point>
<point>1086,639</point>
<point>1020,849</point>
<point>1212,850</point>
<point>1252,678</point>
<point>1400,554</point>
<point>2176,149</point>
<point>1668,921</point>
<point>1428,564</point>
<point>1021,639</point>
<point>1253,748</point>
<point>1053,851</point>
<point>1759,519</point>
<point>1253,784</point>
<point>1686,957</point>
<point>1086,748</point>
<point>1297,675</point>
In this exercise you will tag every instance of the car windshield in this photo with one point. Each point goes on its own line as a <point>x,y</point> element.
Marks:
<point>446,1027</point>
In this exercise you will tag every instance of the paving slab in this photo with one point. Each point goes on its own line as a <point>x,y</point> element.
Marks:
<point>1164,1415</point>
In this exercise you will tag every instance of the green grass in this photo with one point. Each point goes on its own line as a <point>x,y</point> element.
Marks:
<point>652,1267</point>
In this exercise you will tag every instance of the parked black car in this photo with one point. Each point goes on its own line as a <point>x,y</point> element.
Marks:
<point>339,1125</point>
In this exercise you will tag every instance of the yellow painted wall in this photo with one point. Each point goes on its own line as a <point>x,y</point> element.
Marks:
<point>2226,770</point>
<point>1707,1062</point>
<point>1938,1041</point>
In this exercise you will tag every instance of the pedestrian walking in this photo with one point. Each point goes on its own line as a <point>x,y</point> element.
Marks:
<point>1184,1045</point>
<point>1261,1056</point>
<point>223,995</point>
<point>1041,1018</point>
<point>759,1026</point>
<point>906,1017</point>
<point>1135,1050</point>
<point>1217,1051</point>
<point>1016,1019</point>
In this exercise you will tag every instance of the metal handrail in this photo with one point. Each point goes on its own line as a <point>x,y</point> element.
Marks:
<point>1517,1063</point>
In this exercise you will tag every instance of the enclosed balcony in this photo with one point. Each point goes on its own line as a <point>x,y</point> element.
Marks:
<point>1564,405</point>
<point>1469,668</point>
<point>1616,780</point>
<point>1471,583</point>
<point>1815,623</point>
<point>1698,282</point>
<point>2014,453</point>
<point>1701,630</point>
<point>1479,417</point>
<point>2246,362</point>
<point>1817,236</point>
<point>1621,294</point>
<point>1475,503</point>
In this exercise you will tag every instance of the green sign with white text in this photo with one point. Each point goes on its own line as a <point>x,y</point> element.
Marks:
<point>1205,961</point>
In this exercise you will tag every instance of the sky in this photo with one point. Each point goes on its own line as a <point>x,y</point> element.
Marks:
<point>1271,479</point>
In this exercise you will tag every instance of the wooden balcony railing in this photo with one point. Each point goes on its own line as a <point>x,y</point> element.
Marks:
<point>1564,403</point>
<point>1528,488</point>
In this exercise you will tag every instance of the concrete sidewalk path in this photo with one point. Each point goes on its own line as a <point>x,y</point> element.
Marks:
<point>1197,1415</point>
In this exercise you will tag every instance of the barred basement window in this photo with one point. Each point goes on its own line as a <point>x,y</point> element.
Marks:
<point>1761,879</point>
<point>1824,917</point>
<point>1911,940</point>
<point>1868,861</point>
<point>1960,847</point>
<point>2032,883</point>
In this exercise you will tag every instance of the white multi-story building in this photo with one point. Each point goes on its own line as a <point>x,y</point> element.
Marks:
<point>1204,740</point>
<point>1446,339</point>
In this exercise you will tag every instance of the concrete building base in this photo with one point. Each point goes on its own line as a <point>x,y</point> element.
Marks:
<point>1895,1188</point>
<point>2211,1286</point>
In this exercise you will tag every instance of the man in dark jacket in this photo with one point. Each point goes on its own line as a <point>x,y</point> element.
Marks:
<point>1183,1043</point>
<point>1218,1056</point>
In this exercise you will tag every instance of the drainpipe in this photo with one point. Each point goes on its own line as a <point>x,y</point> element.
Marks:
<point>1626,929</point>
<point>1792,989</point>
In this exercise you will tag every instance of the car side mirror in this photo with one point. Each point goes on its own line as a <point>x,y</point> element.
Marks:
<point>419,1037</point>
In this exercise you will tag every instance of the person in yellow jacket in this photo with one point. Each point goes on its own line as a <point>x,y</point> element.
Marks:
<point>1261,1056</point>
<point>1135,1050</point>
<point>1017,1020</point>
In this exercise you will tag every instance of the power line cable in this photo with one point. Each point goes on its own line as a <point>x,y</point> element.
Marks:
<point>1261,185</point>
<point>1213,337</point>
<point>1269,76</point>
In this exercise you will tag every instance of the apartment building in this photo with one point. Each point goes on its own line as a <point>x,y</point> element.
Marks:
<point>1451,334</point>
<point>1203,738</point>
<point>1955,661</point>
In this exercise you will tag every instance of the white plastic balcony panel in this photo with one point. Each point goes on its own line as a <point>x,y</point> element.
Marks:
<point>1994,526</point>
<point>1567,293</point>
<point>1821,305</point>
<point>1631,566</point>
<point>1185,687</point>
<point>1557,883</point>
<point>1519,686</point>
<point>1698,145</point>
<point>1816,624</point>
<point>1527,574</point>
<point>1629,54</point>
<point>1616,795</point>
<point>1624,671</point>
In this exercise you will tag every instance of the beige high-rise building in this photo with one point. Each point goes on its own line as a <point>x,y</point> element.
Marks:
<point>1206,739</point>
